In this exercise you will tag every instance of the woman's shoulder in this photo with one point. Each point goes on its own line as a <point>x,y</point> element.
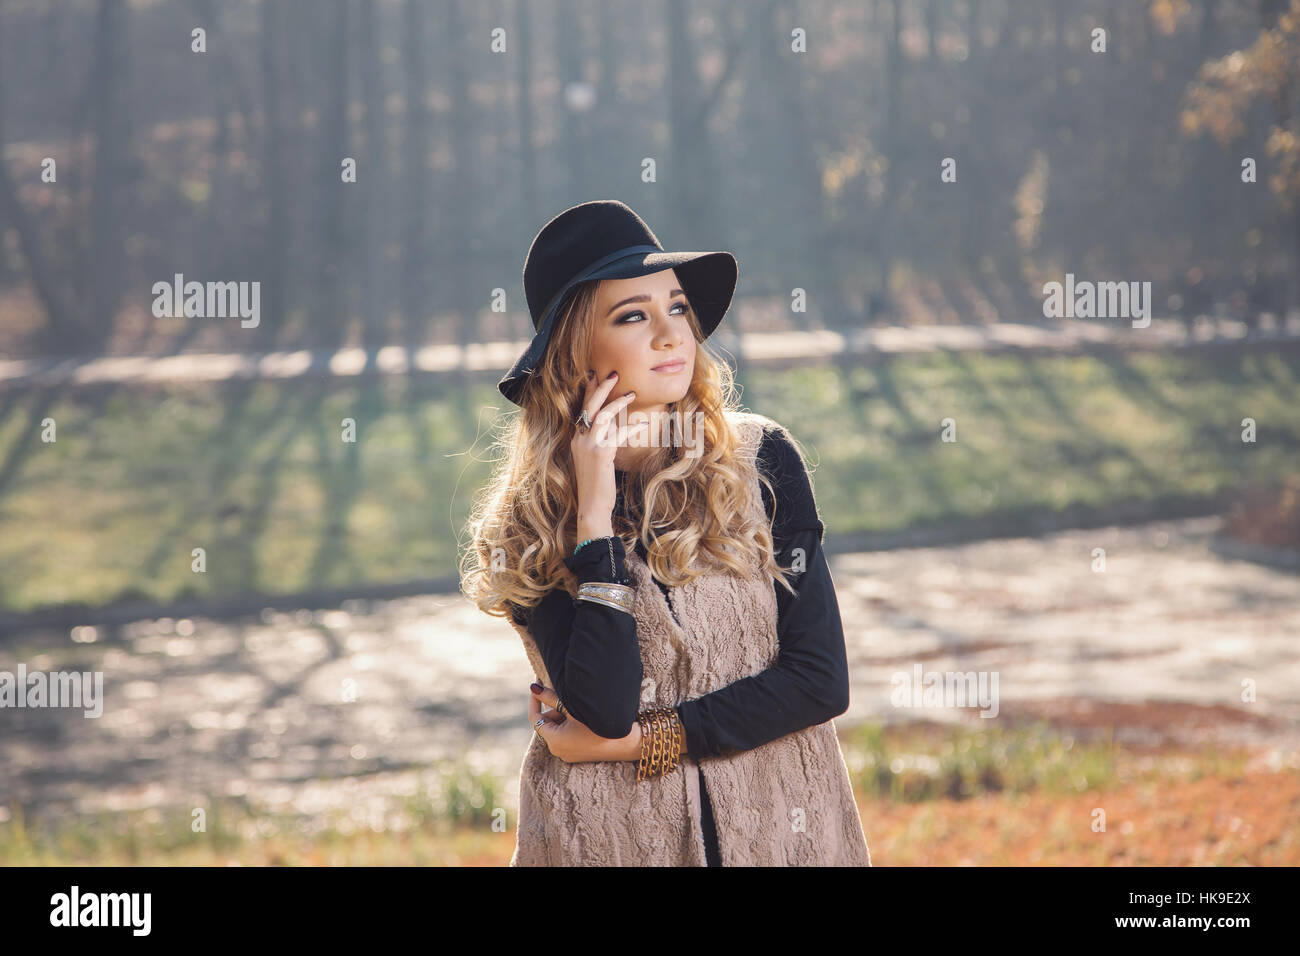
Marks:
<point>767,437</point>
<point>748,422</point>
<point>782,463</point>
<point>777,452</point>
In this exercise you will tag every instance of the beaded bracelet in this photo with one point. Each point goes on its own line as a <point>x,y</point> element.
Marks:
<point>609,541</point>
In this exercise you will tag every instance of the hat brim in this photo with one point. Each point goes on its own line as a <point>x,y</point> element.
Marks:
<point>707,278</point>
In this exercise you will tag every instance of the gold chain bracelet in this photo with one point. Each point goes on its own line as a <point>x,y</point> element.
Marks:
<point>661,742</point>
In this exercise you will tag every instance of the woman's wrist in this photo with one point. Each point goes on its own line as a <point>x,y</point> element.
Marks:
<point>633,750</point>
<point>595,529</point>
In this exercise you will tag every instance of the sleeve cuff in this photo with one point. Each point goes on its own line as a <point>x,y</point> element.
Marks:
<point>697,745</point>
<point>593,563</point>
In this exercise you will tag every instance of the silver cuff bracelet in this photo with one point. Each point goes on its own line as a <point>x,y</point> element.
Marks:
<point>618,596</point>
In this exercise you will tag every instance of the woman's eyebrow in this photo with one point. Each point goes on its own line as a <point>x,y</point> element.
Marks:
<point>641,298</point>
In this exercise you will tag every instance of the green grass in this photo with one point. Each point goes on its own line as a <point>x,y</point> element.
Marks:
<point>916,763</point>
<point>1033,433</point>
<point>258,476</point>
<point>453,806</point>
<point>913,769</point>
<point>452,817</point>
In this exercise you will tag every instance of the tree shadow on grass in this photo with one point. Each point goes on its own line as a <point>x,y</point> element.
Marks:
<point>40,402</point>
<point>890,392</point>
<point>1129,379</point>
<point>339,472</point>
<point>227,458</point>
<point>1031,366</point>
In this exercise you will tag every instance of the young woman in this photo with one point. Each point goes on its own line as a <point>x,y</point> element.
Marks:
<point>658,551</point>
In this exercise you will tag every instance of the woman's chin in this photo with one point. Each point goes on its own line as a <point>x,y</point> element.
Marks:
<point>660,401</point>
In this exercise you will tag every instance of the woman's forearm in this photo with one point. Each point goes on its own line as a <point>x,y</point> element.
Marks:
<point>590,650</point>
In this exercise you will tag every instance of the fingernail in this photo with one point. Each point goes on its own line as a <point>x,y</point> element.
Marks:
<point>535,688</point>
<point>590,374</point>
<point>611,375</point>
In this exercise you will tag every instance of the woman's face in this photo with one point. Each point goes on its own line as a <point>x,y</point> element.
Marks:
<point>642,323</point>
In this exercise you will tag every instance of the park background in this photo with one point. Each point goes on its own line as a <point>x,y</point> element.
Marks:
<point>809,139</point>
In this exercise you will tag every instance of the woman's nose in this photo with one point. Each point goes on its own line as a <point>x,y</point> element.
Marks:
<point>667,332</point>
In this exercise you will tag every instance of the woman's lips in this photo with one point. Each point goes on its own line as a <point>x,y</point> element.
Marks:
<point>671,367</point>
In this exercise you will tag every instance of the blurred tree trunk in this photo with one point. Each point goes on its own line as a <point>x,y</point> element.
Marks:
<point>530,211</point>
<point>1284,104</point>
<point>890,147</point>
<point>415,262</point>
<point>275,181</point>
<point>1206,32</point>
<point>893,87</point>
<point>970,167</point>
<point>758,130</point>
<point>693,181</point>
<point>621,166</point>
<point>800,227</point>
<point>111,177</point>
<point>501,167</point>
<point>932,18</point>
<point>1062,25</point>
<point>332,306</point>
<point>212,244</point>
<point>6,270</point>
<point>374,183</point>
<point>460,234</point>
<point>60,328</point>
<point>211,239</point>
<point>1003,40</point>
<point>687,189</point>
<point>570,49</point>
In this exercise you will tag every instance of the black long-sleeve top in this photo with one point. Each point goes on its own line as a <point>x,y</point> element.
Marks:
<point>594,661</point>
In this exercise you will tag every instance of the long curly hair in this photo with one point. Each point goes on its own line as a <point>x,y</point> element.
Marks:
<point>689,511</point>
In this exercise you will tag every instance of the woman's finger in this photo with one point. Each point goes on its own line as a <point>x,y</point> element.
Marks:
<point>606,427</point>
<point>593,398</point>
<point>611,410</point>
<point>596,394</point>
<point>551,699</point>
<point>534,709</point>
<point>536,703</point>
<point>547,696</point>
<point>625,431</point>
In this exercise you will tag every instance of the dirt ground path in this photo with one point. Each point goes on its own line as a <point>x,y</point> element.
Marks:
<point>348,707</point>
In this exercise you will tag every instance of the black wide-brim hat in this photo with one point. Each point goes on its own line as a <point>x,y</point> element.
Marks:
<point>605,239</point>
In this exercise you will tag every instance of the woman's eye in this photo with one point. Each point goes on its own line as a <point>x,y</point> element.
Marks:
<point>626,319</point>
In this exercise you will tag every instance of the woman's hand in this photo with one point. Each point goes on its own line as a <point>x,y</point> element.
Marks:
<point>572,741</point>
<point>593,455</point>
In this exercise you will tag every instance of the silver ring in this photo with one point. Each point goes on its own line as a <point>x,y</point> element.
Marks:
<point>584,422</point>
<point>540,721</point>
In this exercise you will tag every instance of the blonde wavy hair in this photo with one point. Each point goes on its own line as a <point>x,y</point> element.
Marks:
<point>523,523</point>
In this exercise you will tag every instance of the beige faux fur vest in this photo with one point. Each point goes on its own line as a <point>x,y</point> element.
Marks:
<point>786,803</point>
